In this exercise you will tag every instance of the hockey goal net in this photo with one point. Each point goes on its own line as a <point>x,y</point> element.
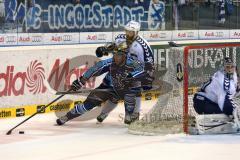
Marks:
<point>184,71</point>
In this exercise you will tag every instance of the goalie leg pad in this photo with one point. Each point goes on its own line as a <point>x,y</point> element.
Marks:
<point>236,117</point>
<point>215,124</point>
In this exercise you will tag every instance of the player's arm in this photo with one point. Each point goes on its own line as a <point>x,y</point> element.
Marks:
<point>138,70</point>
<point>98,69</point>
<point>109,47</point>
<point>238,88</point>
<point>216,83</point>
<point>104,50</point>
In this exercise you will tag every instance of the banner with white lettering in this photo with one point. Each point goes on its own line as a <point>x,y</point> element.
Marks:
<point>81,16</point>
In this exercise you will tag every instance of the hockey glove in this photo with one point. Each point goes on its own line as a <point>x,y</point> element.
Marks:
<point>77,84</point>
<point>101,51</point>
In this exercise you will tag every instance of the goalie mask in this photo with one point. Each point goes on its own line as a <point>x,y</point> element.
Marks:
<point>229,67</point>
<point>131,29</point>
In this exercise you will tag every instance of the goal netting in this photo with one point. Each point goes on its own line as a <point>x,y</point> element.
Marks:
<point>184,71</point>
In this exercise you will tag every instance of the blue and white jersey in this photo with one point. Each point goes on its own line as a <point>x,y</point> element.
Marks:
<point>218,87</point>
<point>139,49</point>
<point>116,74</point>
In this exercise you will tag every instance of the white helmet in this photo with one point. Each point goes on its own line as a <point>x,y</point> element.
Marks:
<point>132,26</point>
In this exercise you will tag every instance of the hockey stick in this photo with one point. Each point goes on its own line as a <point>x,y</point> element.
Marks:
<point>39,111</point>
<point>155,88</point>
<point>212,126</point>
<point>82,91</point>
<point>221,123</point>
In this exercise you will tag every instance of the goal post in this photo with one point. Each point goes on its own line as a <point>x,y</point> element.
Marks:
<point>187,68</point>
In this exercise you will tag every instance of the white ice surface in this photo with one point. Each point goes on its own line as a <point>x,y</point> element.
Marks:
<point>108,141</point>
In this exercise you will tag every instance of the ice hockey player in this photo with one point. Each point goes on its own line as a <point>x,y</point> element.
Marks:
<point>138,48</point>
<point>124,73</point>
<point>215,104</point>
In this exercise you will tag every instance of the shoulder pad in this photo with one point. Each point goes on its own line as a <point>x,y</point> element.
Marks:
<point>122,36</point>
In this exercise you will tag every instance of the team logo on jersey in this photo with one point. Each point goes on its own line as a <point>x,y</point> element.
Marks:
<point>179,72</point>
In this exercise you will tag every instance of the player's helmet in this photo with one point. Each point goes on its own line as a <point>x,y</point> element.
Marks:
<point>120,54</point>
<point>122,48</point>
<point>131,28</point>
<point>229,67</point>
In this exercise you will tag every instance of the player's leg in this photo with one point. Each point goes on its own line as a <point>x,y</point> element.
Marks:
<point>136,112</point>
<point>109,106</point>
<point>95,98</point>
<point>106,109</point>
<point>202,105</point>
<point>130,107</point>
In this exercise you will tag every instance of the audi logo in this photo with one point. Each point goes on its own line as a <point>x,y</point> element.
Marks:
<point>11,39</point>
<point>67,38</point>
<point>36,38</point>
<point>102,37</point>
<point>1,39</point>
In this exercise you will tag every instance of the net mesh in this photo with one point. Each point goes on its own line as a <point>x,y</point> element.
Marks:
<point>167,115</point>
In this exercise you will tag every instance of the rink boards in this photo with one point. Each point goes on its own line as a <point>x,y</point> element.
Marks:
<point>29,74</point>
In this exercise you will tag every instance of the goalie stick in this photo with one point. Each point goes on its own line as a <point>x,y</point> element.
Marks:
<point>208,128</point>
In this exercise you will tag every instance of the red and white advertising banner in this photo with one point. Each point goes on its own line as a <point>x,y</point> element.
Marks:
<point>61,38</point>
<point>235,34</point>
<point>158,35</point>
<point>29,74</point>
<point>2,39</point>
<point>103,37</point>
<point>96,37</point>
<point>8,39</point>
<point>30,39</point>
<point>184,34</point>
<point>214,34</point>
